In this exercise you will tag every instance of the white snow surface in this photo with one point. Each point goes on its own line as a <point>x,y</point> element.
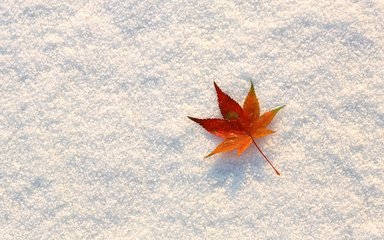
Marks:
<point>95,142</point>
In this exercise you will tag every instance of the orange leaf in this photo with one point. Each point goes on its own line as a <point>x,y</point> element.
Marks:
<point>240,126</point>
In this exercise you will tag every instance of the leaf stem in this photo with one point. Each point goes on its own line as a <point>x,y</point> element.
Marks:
<point>258,148</point>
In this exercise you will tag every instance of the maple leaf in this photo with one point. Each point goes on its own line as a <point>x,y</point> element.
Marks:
<point>241,125</point>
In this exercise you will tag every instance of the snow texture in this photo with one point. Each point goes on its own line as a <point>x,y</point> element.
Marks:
<point>94,137</point>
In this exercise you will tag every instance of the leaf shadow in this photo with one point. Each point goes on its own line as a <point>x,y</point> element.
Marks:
<point>231,172</point>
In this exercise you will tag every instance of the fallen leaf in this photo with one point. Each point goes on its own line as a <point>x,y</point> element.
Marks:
<point>241,125</point>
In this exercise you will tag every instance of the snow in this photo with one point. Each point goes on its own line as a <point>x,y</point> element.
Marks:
<point>95,142</point>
